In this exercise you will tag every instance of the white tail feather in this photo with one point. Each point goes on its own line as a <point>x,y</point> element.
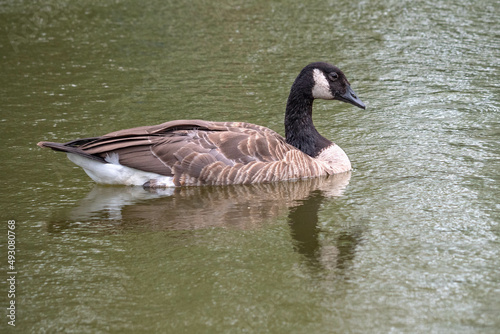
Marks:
<point>115,173</point>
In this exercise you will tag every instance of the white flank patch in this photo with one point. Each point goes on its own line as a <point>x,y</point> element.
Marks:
<point>321,89</point>
<point>115,173</point>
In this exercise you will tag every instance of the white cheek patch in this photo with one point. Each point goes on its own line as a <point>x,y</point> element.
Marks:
<point>321,89</point>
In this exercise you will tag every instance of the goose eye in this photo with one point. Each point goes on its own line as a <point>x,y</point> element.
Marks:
<point>333,76</point>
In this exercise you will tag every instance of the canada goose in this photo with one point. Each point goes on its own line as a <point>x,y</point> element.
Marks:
<point>196,152</point>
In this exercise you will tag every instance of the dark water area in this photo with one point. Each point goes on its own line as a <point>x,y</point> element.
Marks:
<point>406,242</point>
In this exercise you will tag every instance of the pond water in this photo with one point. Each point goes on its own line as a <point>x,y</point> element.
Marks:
<point>406,242</point>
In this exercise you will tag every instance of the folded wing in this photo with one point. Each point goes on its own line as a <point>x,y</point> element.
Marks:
<point>199,152</point>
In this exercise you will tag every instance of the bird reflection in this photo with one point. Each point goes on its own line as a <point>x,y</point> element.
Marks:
<point>233,207</point>
<point>303,221</point>
<point>304,226</point>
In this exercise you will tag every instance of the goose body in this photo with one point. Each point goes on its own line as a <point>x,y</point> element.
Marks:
<point>197,152</point>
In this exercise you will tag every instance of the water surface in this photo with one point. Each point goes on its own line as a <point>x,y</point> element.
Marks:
<point>408,242</point>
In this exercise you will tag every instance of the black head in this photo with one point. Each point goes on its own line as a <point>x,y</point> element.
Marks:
<point>329,83</point>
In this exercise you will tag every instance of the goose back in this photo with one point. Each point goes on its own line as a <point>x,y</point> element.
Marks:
<point>196,152</point>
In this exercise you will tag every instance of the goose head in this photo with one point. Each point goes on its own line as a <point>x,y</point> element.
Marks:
<point>315,81</point>
<point>327,82</point>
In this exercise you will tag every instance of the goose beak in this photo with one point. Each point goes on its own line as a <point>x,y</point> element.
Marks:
<point>350,97</point>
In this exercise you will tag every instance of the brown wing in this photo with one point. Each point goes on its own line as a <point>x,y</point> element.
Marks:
<point>196,152</point>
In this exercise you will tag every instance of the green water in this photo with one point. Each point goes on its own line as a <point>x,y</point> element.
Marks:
<point>408,242</point>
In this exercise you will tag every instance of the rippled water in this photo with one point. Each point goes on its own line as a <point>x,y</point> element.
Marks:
<point>408,242</point>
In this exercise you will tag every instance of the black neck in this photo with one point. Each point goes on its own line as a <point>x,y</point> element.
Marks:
<point>299,128</point>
